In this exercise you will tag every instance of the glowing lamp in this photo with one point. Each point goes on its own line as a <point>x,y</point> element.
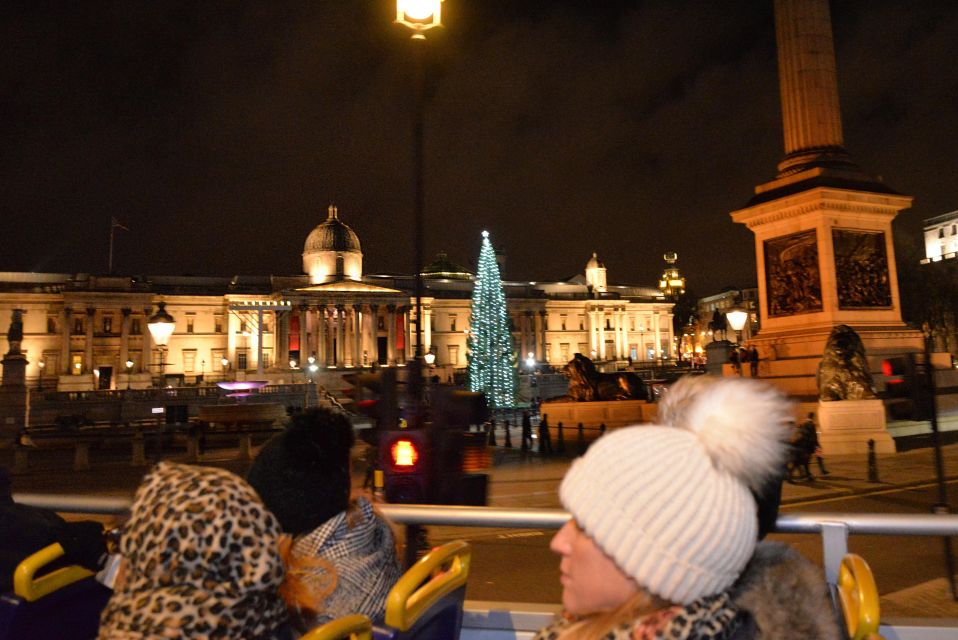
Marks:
<point>161,325</point>
<point>419,15</point>
<point>737,319</point>
<point>430,358</point>
<point>404,453</point>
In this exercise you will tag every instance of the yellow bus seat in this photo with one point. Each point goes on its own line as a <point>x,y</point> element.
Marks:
<point>354,627</point>
<point>858,597</point>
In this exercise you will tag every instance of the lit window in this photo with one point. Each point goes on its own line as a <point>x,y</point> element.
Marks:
<point>452,323</point>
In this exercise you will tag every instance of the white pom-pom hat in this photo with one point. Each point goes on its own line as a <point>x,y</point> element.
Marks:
<point>671,504</point>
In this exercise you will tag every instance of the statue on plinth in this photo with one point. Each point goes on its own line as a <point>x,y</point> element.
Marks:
<point>15,333</point>
<point>587,384</point>
<point>843,372</point>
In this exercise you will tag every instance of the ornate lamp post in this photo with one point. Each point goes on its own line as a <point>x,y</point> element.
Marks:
<point>419,16</point>
<point>161,326</point>
<point>225,363</point>
<point>129,372</point>
<point>42,365</point>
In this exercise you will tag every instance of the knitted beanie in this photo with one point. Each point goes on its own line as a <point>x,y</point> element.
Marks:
<point>672,504</point>
<point>302,474</point>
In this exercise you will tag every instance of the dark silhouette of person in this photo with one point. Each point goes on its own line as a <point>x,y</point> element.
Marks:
<point>753,361</point>
<point>545,438</point>
<point>526,431</point>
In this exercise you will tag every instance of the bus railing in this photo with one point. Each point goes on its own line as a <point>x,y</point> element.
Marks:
<point>834,529</point>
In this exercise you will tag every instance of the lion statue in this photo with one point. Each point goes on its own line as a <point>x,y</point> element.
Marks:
<point>843,372</point>
<point>586,383</point>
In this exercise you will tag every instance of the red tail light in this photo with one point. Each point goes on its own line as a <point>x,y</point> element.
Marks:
<point>404,453</point>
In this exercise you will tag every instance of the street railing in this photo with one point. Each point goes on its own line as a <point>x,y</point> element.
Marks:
<point>834,529</point>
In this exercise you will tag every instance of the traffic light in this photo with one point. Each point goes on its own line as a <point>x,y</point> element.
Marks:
<point>907,394</point>
<point>406,457</point>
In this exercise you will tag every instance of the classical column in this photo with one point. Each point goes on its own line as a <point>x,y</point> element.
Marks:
<point>88,347</point>
<point>232,328</point>
<point>601,317</point>
<point>811,114</point>
<point>303,334</point>
<point>66,319</point>
<point>340,335</point>
<point>146,355</point>
<point>408,349</point>
<point>374,333</point>
<point>321,334</point>
<point>391,335</point>
<point>358,335</point>
<point>281,320</point>
<point>658,338</point>
<point>125,338</point>
<point>545,335</point>
<point>426,329</point>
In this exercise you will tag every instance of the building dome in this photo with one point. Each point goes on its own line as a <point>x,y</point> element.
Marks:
<point>442,267</point>
<point>594,262</point>
<point>332,235</point>
<point>595,274</point>
<point>332,251</point>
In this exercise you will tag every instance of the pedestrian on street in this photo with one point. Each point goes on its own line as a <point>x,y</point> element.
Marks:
<point>753,361</point>
<point>545,438</point>
<point>813,441</point>
<point>526,431</point>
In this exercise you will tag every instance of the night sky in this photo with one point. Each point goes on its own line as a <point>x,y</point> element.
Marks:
<point>219,132</point>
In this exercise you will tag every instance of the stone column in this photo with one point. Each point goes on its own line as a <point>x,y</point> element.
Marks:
<point>66,319</point>
<point>340,335</point>
<point>358,335</point>
<point>146,356</point>
<point>408,350</point>
<point>601,318</point>
<point>124,339</point>
<point>374,333</point>
<point>321,332</point>
<point>658,338</point>
<point>426,329</point>
<point>303,334</point>
<point>88,365</point>
<point>391,335</point>
<point>281,320</point>
<point>808,83</point>
<point>544,337</point>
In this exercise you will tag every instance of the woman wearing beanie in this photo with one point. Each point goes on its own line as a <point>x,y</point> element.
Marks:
<point>663,540</point>
<point>201,560</point>
<point>343,557</point>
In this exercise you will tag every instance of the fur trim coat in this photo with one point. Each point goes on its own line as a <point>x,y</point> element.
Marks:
<point>784,596</point>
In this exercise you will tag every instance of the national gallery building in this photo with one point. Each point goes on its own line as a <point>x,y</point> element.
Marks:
<point>83,332</point>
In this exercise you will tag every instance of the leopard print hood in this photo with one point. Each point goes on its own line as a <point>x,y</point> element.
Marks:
<point>202,560</point>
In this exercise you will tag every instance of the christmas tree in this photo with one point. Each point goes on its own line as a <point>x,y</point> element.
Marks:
<point>492,359</point>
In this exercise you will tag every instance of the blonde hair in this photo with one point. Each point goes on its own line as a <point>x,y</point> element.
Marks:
<point>596,626</point>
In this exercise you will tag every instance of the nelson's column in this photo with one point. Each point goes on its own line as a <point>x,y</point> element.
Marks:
<point>823,239</point>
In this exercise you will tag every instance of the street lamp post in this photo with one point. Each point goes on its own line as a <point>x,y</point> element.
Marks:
<point>42,365</point>
<point>225,363</point>
<point>161,326</point>
<point>419,16</point>
<point>129,372</point>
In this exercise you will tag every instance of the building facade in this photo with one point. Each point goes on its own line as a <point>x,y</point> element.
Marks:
<point>86,332</point>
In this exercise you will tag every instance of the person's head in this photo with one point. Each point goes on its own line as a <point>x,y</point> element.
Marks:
<point>668,510</point>
<point>811,415</point>
<point>302,474</point>
<point>201,558</point>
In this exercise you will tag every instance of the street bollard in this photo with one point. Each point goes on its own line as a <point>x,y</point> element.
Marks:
<point>581,438</point>
<point>246,447</point>
<point>492,434</point>
<point>81,456</point>
<point>560,439</point>
<point>872,463</point>
<point>601,429</point>
<point>193,448</point>
<point>19,458</point>
<point>139,449</point>
<point>508,443</point>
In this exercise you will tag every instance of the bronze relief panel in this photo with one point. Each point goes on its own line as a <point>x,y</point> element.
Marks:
<point>792,277</point>
<point>861,269</point>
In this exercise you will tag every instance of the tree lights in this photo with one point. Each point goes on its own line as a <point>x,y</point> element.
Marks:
<point>492,358</point>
